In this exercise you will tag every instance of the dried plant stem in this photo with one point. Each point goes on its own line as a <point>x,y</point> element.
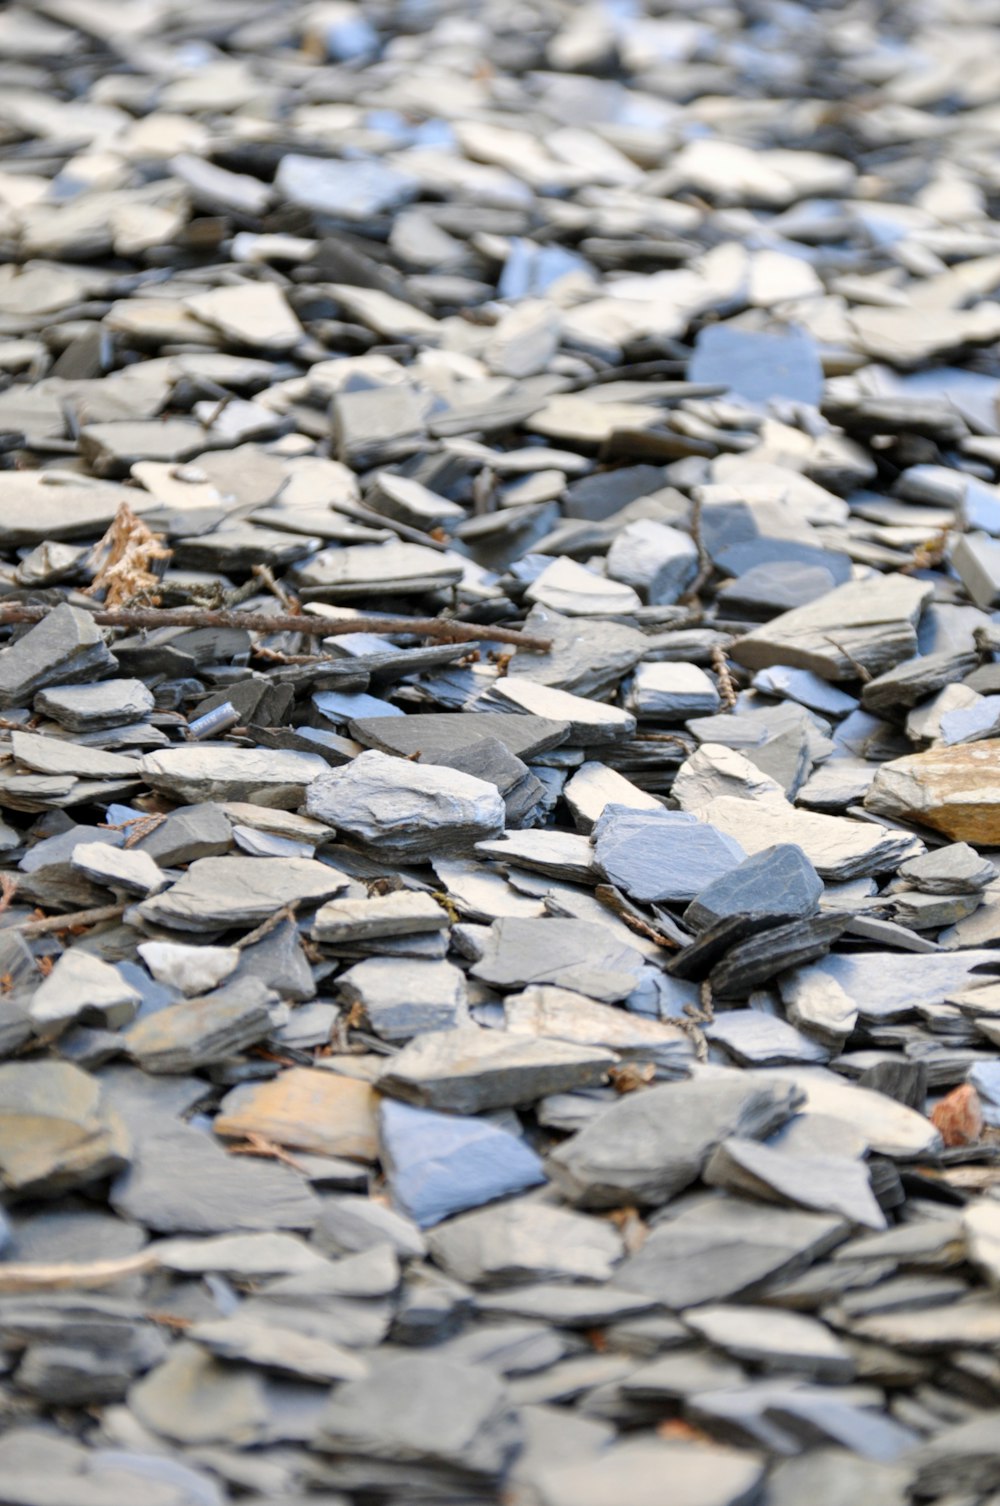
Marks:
<point>138,618</point>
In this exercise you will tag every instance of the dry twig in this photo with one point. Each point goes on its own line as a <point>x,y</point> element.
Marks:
<point>137,618</point>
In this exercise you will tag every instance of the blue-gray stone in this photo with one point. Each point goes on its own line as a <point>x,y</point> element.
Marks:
<point>779,880</point>
<point>758,367</point>
<point>985,1078</point>
<point>439,1164</point>
<point>662,855</point>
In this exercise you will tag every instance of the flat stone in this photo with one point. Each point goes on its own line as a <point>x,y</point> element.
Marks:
<point>664,855</point>
<point>726,1247</point>
<point>594,787</point>
<point>65,645</point>
<point>589,722</point>
<point>570,588</point>
<point>256,314</point>
<point>672,692</point>
<point>348,190</point>
<point>181,1182</point>
<point>421,1409</point>
<point>403,998</point>
<point>787,1341</point>
<point>890,1128</point>
<point>216,893</point>
<point>758,958</point>
<point>81,988</point>
<point>83,708</point>
<point>440,1164</point>
<point>754,1038</point>
<point>403,913</point>
<point>192,969</point>
<point>429,735</point>
<point>565,953</point>
<point>526,1241</point>
<point>698,1475</point>
<point>120,869</point>
<point>196,1032</point>
<point>777,880</point>
<point>205,771</point>
<point>659,561</point>
<point>56,1133</point>
<point>273,1348</point>
<point>469,1070</point>
<point>193,1399</point>
<point>653,1144</point>
<point>389,805</point>
<point>953,790</point>
<point>823,1183</point>
<point>838,848</point>
<point>756,366</point>
<point>560,1014</point>
<point>849,626</point>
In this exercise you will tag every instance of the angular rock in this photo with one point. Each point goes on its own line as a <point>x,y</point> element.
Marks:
<point>653,1144</point>
<point>389,805</point>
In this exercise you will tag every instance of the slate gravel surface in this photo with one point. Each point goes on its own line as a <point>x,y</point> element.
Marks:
<point>499,753</point>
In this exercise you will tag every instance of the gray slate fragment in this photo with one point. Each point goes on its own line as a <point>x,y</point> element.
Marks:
<point>440,1164</point>
<point>468,1070</point>
<point>182,1182</point>
<point>82,708</point>
<point>424,1409</point>
<point>391,806</point>
<point>196,1032</point>
<point>651,1145</point>
<point>405,997</point>
<point>66,646</point>
<point>216,893</point>
<point>566,953</point>
<point>446,732</point>
<point>661,855</point>
<point>849,626</point>
<point>526,1240</point>
<point>779,880</point>
<point>819,1183</point>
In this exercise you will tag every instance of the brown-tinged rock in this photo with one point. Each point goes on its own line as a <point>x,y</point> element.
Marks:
<point>306,1108</point>
<point>954,790</point>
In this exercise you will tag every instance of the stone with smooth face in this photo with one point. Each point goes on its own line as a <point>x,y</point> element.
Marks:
<point>109,703</point>
<point>56,1132</point>
<point>838,847</point>
<point>116,868</point>
<point>570,588</point>
<point>954,790</point>
<point>391,806</point>
<point>208,771</point>
<point>66,645</point>
<point>404,997</point>
<point>566,953</point>
<point>594,786</point>
<point>468,1070</point>
<point>777,880</point>
<point>193,969</point>
<point>726,1246</point>
<point>590,722</point>
<point>216,893</point>
<point>440,1164</point>
<point>639,1469</point>
<point>526,1240</point>
<point>851,625</point>
<point>819,1183</point>
<point>661,855</point>
<point>423,1408</point>
<point>195,1032</point>
<point>560,1014</point>
<point>651,1145</point>
<point>402,913</point>
<point>307,1109</point>
<point>672,692</point>
<point>655,559</point>
<point>786,1341</point>
<point>82,988</point>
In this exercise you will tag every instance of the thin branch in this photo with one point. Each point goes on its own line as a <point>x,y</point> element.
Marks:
<point>71,922</point>
<point>137,618</point>
<point>83,1276</point>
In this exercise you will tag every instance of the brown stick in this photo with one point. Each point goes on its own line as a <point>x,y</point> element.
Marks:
<point>316,627</point>
<point>71,921</point>
<point>88,1275</point>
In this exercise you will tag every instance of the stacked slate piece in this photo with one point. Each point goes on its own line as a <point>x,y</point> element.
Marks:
<point>502,1004</point>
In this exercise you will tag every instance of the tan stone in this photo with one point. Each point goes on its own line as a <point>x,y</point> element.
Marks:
<point>305,1108</point>
<point>954,790</point>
